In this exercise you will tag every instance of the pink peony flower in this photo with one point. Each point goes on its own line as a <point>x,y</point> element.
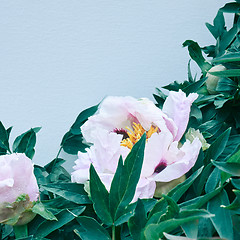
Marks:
<point>18,189</point>
<point>16,178</point>
<point>119,124</point>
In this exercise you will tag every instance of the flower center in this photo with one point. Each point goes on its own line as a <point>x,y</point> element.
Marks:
<point>135,134</point>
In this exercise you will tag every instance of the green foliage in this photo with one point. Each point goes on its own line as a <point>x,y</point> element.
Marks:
<point>89,229</point>
<point>25,143</point>
<point>205,206</point>
<point>73,141</point>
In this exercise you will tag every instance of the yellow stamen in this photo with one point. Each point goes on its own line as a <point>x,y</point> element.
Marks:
<point>136,134</point>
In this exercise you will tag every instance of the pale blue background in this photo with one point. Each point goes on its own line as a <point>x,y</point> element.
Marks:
<point>59,57</point>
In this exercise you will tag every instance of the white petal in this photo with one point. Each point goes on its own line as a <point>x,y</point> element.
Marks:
<point>189,153</point>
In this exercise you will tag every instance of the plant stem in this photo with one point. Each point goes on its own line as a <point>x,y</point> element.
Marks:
<point>20,231</point>
<point>113,232</point>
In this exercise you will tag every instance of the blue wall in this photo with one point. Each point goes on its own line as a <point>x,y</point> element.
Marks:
<point>59,57</point>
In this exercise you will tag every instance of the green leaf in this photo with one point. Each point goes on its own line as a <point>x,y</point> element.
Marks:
<point>167,211</point>
<point>227,38</point>
<point>227,58</point>
<point>58,203</point>
<point>100,197</point>
<point>217,147</point>
<point>155,231</point>
<point>228,167</point>
<point>129,210</point>
<point>173,237</point>
<point>90,229</point>
<point>191,229</point>
<point>55,163</point>
<point>198,202</point>
<point>218,25</point>
<point>71,191</point>
<point>177,192</point>
<point>64,217</point>
<point>82,118</point>
<point>226,85</point>
<point>71,144</point>
<point>195,53</point>
<point>222,220</point>
<point>231,8</point>
<point>227,73</point>
<point>4,137</point>
<point>138,221</point>
<point>40,209</point>
<point>73,140</point>
<point>236,183</point>
<point>195,86</point>
<point>25,143</point>
<point>213,180</point>
<point>125,181</point>
<point>235,205</point>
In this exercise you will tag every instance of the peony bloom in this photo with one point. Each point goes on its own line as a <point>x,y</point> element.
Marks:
<point>119,124</point>
<point>17,185</point>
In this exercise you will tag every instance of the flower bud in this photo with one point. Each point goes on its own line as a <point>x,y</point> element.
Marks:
<point>212,81</point>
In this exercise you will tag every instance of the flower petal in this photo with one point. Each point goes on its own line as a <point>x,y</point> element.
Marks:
<point>177,106</point>
<point>181,161</point>
<point>156,146</point>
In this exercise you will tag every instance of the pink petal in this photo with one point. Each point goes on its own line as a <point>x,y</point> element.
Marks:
<point>156,146</point>
<point>181,161</point>
<point>145,189</point>
<point>17,173</point>
<point>177,106</point>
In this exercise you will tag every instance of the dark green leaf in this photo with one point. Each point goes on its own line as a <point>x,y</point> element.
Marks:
<point>226,85</point>
<point>228,167</point>
<point>198,202</point>
<point>217,147</point>
<point>219,25</point>
<point>236,182</point>
<point>71,191</point>
<point>71,144</point>
<point>222,220</point>
<point>100,197</point>
<point>213,181</point>
<point>138,221</point>
<point>4,135</point>
<point>90,229</point>
<point>181,188</point>
<point>194,87</point>
<point>231,8</point>
<point>40,209</point>
<point>64,217</point>
<point>227,73</point>
<point>125,181</point>
<point>155,231</point>
<point>195,53</point>
<point>25,143</point>
<point>55,163</point>
<point>82,118</point>
<point>228,57</point>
